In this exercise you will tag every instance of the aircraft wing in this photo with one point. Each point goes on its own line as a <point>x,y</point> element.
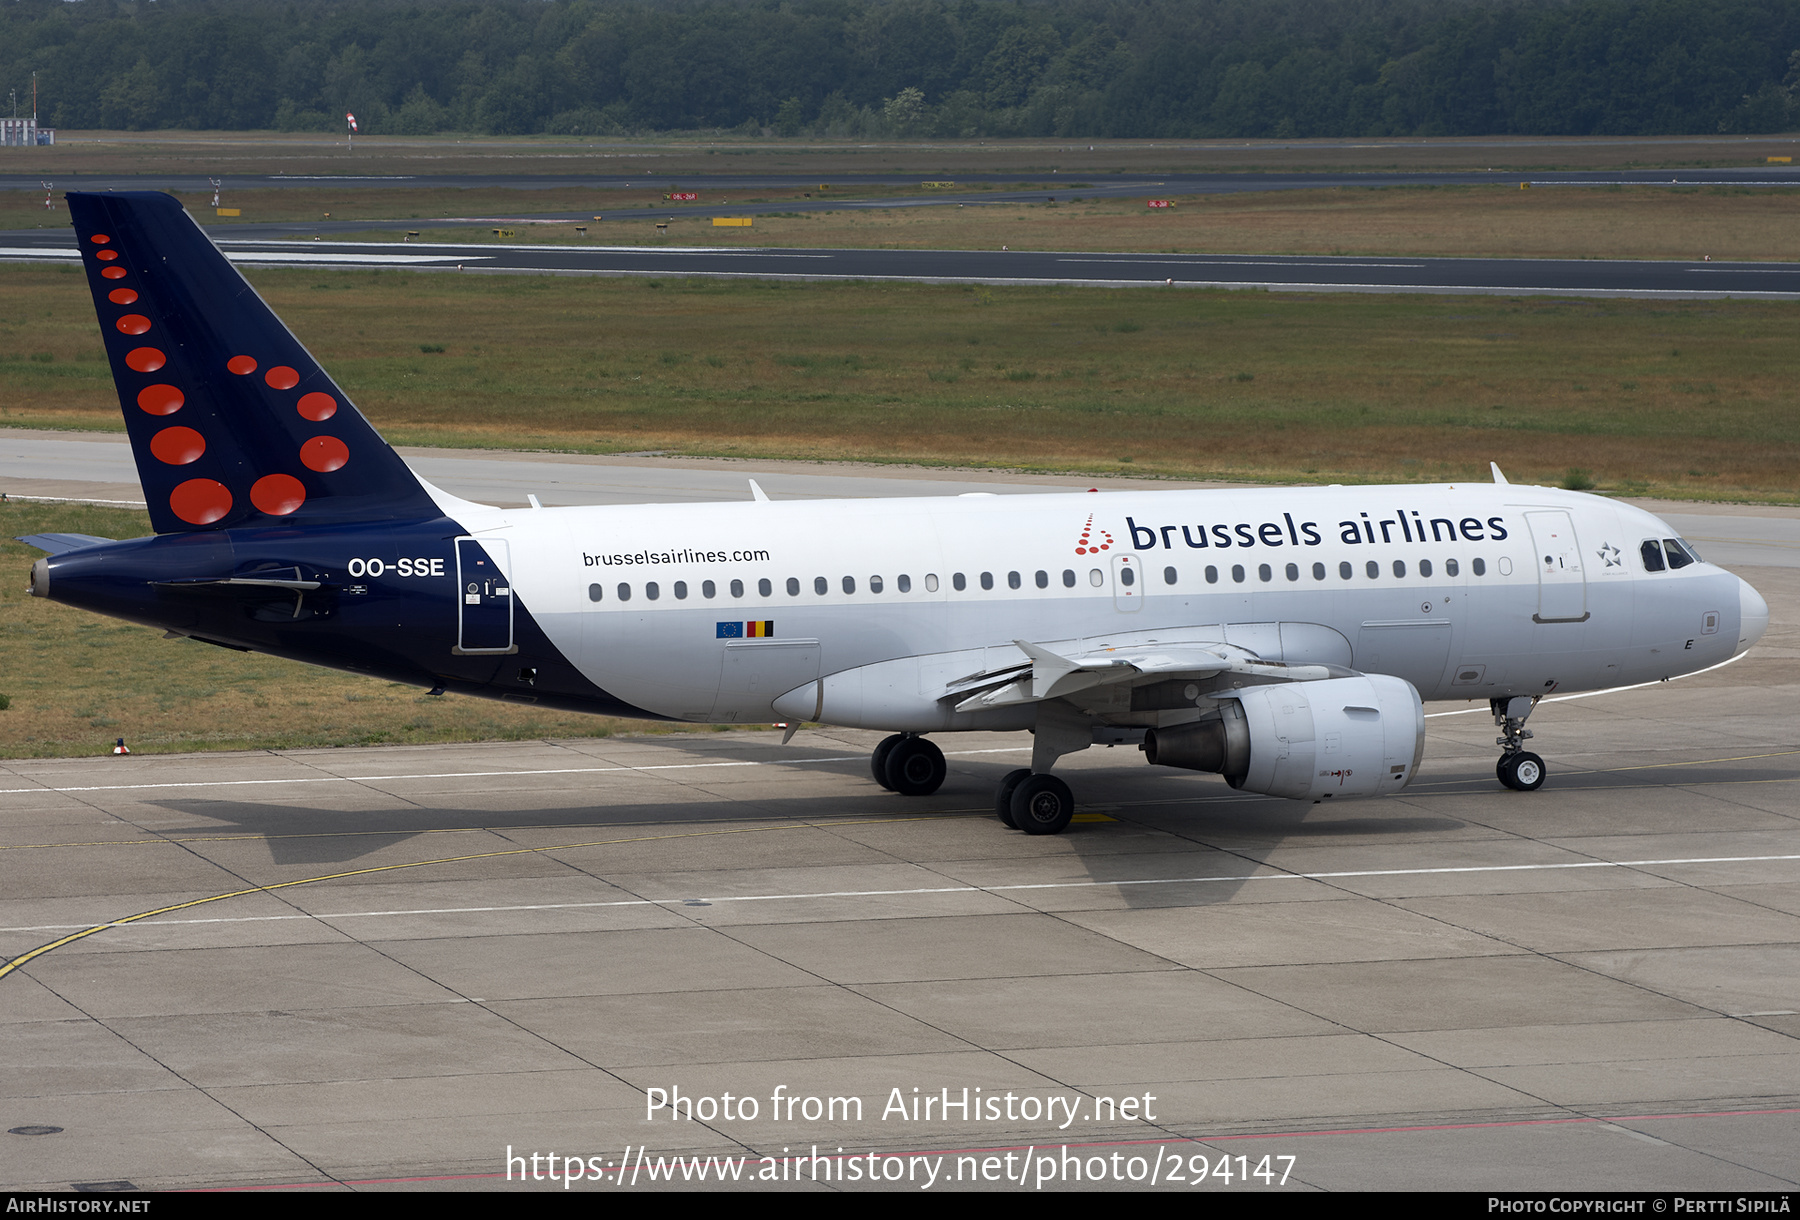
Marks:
<point>56,544</point>
<point>1048,675</point>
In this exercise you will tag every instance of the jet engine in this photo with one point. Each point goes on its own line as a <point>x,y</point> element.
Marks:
<point>1308,741</point>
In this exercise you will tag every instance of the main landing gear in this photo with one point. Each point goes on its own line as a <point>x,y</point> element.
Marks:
<point>908,764</point>
<point>1036,803</point>
<point>1518,768</point>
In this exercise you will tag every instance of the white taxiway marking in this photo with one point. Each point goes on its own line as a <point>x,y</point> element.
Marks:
<point>266,256</point>
<point>940,889</point>
<point>750,252</point>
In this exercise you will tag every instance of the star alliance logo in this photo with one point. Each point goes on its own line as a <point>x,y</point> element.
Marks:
<point>1610,554</point>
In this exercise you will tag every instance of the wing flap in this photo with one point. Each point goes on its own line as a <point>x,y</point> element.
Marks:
<point>1052,675</point>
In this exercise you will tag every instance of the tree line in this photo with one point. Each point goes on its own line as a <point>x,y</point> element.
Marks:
<point>923,68</point>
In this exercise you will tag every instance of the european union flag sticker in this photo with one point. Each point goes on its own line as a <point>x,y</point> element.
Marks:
<point>729,631</point>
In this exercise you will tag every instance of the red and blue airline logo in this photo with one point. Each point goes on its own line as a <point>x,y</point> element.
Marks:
<point>1087,545</point>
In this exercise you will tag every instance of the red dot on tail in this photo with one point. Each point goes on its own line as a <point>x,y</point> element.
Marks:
<point>277,494</point>
<point>316,406</point>
<point>243,366</point>
<point>144,359</point>
<point>122,296</point>
<point>178,446</point>
<point>106,256</point>
<point>99,239</point>
<point>324,454</point>
<point>113,273</point>
<point>133,324</point>
<point>281,377</point>
<point>200,501</point>
<point>160,399</point>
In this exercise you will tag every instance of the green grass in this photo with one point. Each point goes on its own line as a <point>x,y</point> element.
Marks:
<point>1256,386</point>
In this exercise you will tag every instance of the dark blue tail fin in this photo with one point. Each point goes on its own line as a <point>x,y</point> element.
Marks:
<point>231,421</point>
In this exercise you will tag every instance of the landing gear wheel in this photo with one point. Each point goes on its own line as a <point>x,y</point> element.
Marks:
<point>878,760</point>
<point>1042,805</point>
<point>1522,772</point>
<point>1003,796</point>
<point>915,767</point>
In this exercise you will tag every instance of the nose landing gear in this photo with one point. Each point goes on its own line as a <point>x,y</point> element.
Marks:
<point>1518,768</point>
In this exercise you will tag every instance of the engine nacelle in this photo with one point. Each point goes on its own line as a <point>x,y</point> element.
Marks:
<point>1307,741</point>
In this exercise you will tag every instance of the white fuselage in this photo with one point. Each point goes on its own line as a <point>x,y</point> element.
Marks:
<point>714,612</point>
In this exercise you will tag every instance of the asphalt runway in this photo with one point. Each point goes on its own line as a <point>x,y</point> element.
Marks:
<point>384,968</point>
<point>1273,273</point>
<point>297,243</point>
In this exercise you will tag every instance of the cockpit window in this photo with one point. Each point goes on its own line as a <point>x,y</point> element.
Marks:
<point>1678,554</point>
<point>1652,553</point>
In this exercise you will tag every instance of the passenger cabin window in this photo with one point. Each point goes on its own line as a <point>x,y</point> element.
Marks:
<point>874,584</point>
<point>1424,567</point>
<point>1012,580</point>
<point>595,592</point>
<point>737,588</point>
<point>1373,569</point>
<point>624,592</point>
<point>959,582</point>
<point>1318,571</point>
<point>987,580</point>
<point>681,590</point>
<point>905,583</point>
<point>931,582</point>
<point>1345,571</point>
<point>765,588</point>
<point>1212,575</point>
<point>821,586</point>
<point>1237,572</point>
<point>1168,576</point>
<point>1478,566</point>
<point>1068,578</point>
<point>1043,579</point>
<point>850,584</point>
<point>1127,576</point>
<point>1399,567</point>
<point>1265,573</point>
<point>1096,577</point>
<point>652,590</point>
<point>1293,571</point>
<point>793,586</point>
<point>708,589</point>
<point>1450,568</point>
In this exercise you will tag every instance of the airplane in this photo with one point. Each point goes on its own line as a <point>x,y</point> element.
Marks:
<point>1284,638</point>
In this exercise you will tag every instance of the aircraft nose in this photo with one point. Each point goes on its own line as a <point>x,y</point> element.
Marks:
<point>1753,615</point>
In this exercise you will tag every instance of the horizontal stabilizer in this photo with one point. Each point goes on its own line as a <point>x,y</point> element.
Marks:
<point>56,544</point>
